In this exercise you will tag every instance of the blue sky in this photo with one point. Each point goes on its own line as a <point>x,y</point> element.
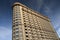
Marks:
<point>50,8</point>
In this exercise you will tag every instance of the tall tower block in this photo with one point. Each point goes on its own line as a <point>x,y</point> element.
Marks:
<point>31,25</point>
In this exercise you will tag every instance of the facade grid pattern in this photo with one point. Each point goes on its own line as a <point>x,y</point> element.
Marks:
<point>29,25</point>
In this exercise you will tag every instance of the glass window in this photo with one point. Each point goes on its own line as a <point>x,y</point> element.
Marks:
<point>17,36</point>
<point>13,25</point>
<point>25,26</point>
<point>26,35</point>
<point>13,36</point>
<point>27,39</point>
<point>17,29</point>
<point>17,39</point>
<point>26,32</point>
<point>14,29</point>
<point>13,32</point>
<point>17,33</point>
<point>16,24</point>
<point>25,29</point>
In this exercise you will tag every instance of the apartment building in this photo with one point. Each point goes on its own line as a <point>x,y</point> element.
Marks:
<point>31,25</point>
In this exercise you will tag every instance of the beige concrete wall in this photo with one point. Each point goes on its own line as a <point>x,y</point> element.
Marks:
<point>34,26</point>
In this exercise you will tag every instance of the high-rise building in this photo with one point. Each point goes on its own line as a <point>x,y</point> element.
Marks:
<point>31,25</point>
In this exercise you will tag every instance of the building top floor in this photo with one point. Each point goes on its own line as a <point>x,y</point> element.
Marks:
<point>35,12</point>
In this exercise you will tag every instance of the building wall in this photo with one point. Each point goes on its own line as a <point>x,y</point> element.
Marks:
<point>30,25</point>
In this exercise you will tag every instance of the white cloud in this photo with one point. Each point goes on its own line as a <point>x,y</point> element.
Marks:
<point>5,33</point>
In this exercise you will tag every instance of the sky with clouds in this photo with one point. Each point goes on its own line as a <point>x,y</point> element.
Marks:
<point>50,8</point>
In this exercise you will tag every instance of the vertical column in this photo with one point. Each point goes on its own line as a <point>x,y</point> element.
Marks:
<point>22,23</point>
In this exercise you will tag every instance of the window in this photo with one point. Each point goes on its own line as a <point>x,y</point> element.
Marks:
<point>16,33</point>
<point>25,26</point>
<point>17,39</point>
<point>27,39</point>
<point>42,37</point>
<point>25,29</point>
<point>16,19</point>
<point>26,32</point>
<point>30,27</point>
<point>16,24</point>
<point>24,23</point>
<point>17,29</point>
<point>26,35</point>
<point>14,29</point>
<point>17,36</point>
<point>32,36</point>
<point>13,32</point>
<point>13,36</point>
<point>13,25</point>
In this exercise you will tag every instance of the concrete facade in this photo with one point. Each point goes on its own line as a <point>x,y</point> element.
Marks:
<point>31,25</point>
